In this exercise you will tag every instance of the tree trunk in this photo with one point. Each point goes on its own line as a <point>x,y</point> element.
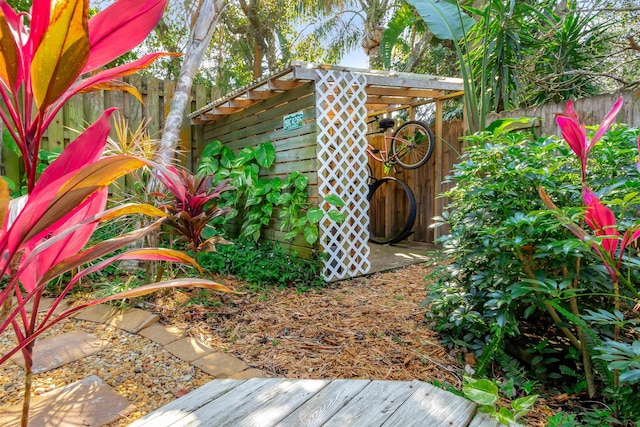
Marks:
<point>208,16</point>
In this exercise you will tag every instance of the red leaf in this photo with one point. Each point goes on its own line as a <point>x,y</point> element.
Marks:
<point>602,221</point>
<point>62,52</point>
<point>84,150</point>
<point>10,54</point>
<point>121,27</point>
<point>606,122</point>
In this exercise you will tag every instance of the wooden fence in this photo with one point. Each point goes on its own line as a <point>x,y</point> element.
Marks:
<point>84,109</point>
<point>389,212</point>
<point>591,111</point>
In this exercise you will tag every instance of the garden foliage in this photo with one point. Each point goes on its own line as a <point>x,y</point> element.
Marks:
<point>45,58</point>
<point>520,282</point>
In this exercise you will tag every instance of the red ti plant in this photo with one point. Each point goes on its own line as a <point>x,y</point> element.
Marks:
<point>193,206</point>
<point>43,60</point>
<point>605,238</point>
<point>56,52</point>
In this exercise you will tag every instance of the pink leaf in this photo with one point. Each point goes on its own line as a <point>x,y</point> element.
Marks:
<point>69,245</point>
<point>606,122</point>
<point>110,74</point>
<point>602,221</point>
<point>574,134</point>
<point>40,17</point>
<point>84,150</point>
<point>121,27</point>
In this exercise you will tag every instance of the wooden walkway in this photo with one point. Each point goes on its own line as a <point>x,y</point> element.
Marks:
<point>301,403</point>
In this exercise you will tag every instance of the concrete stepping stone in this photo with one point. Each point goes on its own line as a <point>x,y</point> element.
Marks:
<point>188,349</point>
<point>55,351</point>
<point>131,320</point>
<point>220,365</point>
<point>163,335</point>
<point>88,402</point>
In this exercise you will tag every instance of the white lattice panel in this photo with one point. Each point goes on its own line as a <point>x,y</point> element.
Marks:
<point>342,170</point>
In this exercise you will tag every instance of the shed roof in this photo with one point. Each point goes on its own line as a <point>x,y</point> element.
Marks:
<point>385,89</point>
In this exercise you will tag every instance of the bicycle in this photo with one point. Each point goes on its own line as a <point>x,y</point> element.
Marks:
<point>411,147</point>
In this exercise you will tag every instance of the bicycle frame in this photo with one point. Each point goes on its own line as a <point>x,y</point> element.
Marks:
<point>384,154</point>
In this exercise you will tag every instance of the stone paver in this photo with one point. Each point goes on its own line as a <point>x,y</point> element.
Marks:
<point>45,304</point>
<point>88,402</point>
<point>58,350</point>
<point>163,335</point>
<point>220,365</point>
<point>98,313</point>
<point>188,349</point>
<point>91,402</point>
<point>132,320</point>
<point>248,374</point>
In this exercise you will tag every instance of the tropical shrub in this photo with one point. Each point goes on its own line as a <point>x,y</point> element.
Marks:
<point>264,264</point>
<point>43,58</point>
<point>257,200</point>
<point>515,271</point>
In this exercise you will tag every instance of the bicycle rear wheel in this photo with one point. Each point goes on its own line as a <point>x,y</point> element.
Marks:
<point>412,145</point>
<point>392,211</point>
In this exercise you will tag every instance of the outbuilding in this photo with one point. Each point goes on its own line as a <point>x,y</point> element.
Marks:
<point>317,118</point>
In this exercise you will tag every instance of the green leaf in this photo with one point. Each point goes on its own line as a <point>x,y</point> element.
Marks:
<point>244,156</point>
<point>291,234</point>
<point>301,182</point>
<point>314,215</point>
<point>311,234</point>
<point>10,143</point>
<point>262,187</point>
<point>212,149</point>
<point>334,200</point>
<point>265,154</point>
<point>482,391</point>
<point>524,403</point>
<point>336,216</point>
<point>445,20</point>
<point>227,157</point>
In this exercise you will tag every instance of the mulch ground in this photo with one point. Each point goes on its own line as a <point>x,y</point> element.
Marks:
<point>370,327</point>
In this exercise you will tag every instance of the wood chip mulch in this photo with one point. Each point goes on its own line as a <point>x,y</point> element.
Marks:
<point>371,327</point>
<point>363,328</point>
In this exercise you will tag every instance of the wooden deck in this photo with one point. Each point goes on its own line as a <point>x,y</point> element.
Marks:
<point>301,403</point>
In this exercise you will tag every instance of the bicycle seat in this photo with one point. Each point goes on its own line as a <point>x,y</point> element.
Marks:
<point>386,123</point>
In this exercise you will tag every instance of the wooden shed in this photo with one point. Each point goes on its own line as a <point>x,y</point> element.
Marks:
<point>316,116</point>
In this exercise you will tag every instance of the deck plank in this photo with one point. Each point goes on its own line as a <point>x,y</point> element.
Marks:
<point>265,402</point>
<point>373,405</point>
<point>174,411</point>
<point>433,407</point>
<point>322,406</point>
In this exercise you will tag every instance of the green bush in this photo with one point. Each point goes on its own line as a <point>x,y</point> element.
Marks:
<point>264,264</point>
<point>510,265</point>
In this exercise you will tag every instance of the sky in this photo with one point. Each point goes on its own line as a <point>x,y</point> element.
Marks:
<point>356,59</point>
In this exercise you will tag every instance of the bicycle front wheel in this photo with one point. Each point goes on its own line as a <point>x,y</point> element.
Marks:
<point>392,210</point>
<point>412,145</point>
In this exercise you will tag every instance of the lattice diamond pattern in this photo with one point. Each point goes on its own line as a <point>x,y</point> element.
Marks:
<point>342,170</point>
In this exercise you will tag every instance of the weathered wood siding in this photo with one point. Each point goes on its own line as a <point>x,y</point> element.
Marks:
<point>84,109</point>
<point>390,211</point>
<point>591,111</point>
<point>295,149</point>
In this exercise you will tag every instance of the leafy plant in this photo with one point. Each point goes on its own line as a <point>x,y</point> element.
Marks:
<point>264,264</point>
<point>40,69</point>
<point>193,207</point>
<point>485,393</point>
<point>258,199</point>
<point>513,266</point>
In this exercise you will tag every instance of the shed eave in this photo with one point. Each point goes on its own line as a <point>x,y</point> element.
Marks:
<point>298,73</point>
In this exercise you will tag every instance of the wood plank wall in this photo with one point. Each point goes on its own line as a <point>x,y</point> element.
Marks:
<point>84,109</point>
<point>295,149</point>
<point>391,210</point>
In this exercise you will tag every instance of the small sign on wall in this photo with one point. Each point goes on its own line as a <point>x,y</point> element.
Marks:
<point>293,121</point>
